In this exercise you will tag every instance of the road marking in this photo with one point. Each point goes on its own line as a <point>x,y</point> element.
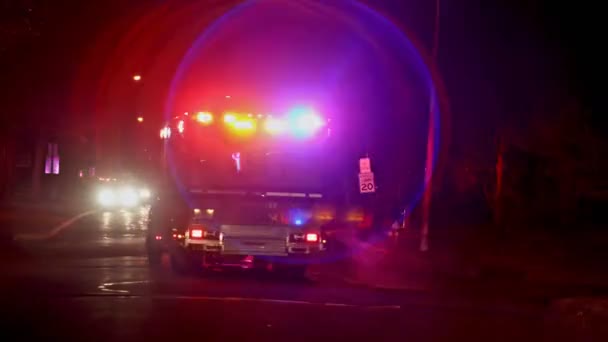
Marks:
<point>259,300</point>
<point>235,299</point>
<point>337,304</point>
<point>384,307</point>
<point>56,230</point>
<point>107,289</point>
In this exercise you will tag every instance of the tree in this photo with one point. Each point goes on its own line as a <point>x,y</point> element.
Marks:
<point>21,24</point>
<point>562,160</point>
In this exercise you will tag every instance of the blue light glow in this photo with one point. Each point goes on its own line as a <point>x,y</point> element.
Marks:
<point>375,32</point>
<point>298,222</point>
<point>304,122</point>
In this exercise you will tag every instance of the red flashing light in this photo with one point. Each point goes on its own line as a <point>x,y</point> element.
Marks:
<point>229,118</point>
<point>274,126</point>
<point>244,125</point>
<point>204,117</point>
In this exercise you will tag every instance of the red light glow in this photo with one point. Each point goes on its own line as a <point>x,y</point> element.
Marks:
<point>204,118</point>
<point>274,126</point>
<point>243,125</point>
<point>229,118</point>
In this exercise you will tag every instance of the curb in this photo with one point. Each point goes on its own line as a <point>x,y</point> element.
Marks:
<point>319,276</point>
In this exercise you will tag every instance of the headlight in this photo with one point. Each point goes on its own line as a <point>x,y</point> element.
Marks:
<point>128,197</point>
<point>106,197</point>
<point>145,193</point>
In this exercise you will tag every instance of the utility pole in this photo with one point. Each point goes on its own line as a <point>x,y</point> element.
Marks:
<point>430,144</point>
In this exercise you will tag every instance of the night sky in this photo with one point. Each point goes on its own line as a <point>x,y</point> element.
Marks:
<point>497,58</point>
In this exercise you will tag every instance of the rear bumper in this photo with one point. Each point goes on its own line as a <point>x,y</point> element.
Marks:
<point>212,253</point>
<point>214,259</point>
<point>289,249</point>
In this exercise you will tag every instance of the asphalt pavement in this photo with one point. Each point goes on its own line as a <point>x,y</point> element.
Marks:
<point>91,281</point>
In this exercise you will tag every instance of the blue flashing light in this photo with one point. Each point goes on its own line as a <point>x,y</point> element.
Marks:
<point>304,122</point>
<point>298,222</point>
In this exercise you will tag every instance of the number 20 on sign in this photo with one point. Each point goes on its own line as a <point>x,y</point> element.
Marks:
<point>366,183</point>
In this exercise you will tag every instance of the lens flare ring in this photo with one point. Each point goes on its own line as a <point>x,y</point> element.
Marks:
<point>361,18</point>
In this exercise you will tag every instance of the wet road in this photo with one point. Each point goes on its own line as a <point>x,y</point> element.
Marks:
<point>92,282</point>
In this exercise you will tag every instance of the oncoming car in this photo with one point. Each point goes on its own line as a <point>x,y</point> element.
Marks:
<point>117,195</point>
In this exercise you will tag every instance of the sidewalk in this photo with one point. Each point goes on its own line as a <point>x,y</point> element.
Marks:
<point>534,272</point>
<point>378,264</point>
<point>577,319</point>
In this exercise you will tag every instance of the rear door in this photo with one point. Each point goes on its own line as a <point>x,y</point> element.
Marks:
<point>253,227</point>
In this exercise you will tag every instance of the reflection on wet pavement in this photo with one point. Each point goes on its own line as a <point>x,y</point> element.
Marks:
<point>102,234</point>
<point>124,224</point>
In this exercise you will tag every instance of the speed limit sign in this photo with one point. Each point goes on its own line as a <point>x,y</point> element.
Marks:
<point>366,182</point>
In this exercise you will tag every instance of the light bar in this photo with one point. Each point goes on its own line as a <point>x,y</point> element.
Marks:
<point>196,233</point>
<point>304,122</point>
<point>274,126</point>
<point>307,124</point>
<point>243,125</point>
<point>229,118</point>
<point>204,117</point>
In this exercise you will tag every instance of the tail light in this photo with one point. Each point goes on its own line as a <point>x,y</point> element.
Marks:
<point>199,232</point>
<point>301,237</point>
<point>196,233</point>
<point>312,237</point>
